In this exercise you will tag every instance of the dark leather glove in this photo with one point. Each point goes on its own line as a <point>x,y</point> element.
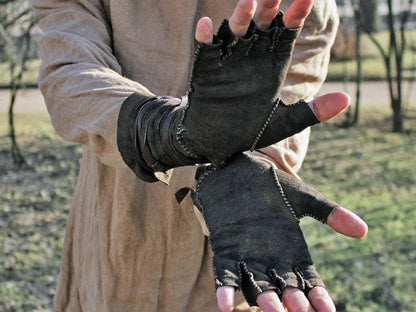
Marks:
<point>252,211</point>
<point>232,105</point>
<point>233,94</point>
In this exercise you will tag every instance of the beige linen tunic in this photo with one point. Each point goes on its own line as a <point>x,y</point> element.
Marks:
<point>129,246</point>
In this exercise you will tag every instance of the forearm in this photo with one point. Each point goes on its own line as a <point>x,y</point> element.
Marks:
<point>80,77</point>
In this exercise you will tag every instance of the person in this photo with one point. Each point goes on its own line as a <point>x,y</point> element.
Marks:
<point>129,245</point>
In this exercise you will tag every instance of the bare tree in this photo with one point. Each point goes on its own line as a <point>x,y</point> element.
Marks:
<point>352,116</point>
<point>393,55</point>
<point>16,22</point>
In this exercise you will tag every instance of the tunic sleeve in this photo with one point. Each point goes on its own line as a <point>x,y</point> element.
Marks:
<point>305,77</point>
<point>80,78</point>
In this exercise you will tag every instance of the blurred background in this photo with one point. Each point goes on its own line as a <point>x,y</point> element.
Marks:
<point>364,159</point>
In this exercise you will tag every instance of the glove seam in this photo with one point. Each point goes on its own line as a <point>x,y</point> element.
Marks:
<point>195,196</point>
<point>276,34</point>
<point>242,267</point>
<point>181,126</point>
<point>284,197</point>
<point>181,129</point>
<point>265,124</point>
<point>209,170</point>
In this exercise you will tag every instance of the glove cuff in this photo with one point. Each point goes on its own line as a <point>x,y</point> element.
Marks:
<point>147,136</point>
<point>126,137</point>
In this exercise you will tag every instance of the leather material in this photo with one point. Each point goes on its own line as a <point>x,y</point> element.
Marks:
<point>232,106</point>
<point>234,90</point>
<point>252,211</point>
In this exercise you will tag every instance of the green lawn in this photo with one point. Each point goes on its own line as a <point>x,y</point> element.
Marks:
<point>367,169</point>
<point>372,171</point>
<point>34,202</point>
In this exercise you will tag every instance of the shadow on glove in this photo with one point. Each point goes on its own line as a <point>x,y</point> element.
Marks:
<point>252,211</point>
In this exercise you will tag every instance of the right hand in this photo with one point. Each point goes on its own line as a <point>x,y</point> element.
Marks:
<point>262,12</point>
<point>231,107</point>
<point>236,78</point>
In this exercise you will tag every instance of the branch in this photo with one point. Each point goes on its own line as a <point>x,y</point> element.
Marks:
<point>377,43</point>
<point>9,40</point>
<point>17,17</point>
<point>403,21</point>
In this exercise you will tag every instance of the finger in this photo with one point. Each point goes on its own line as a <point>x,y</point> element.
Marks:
<point>329,105</point>
<point>320,300</point>
<point>204,30</point>
<point>297,12</point>
<point>242,16</point>
<point>268,301</point>
<point>226,298</point>
<point>347,223</point>
<point>266,11</point>
<point>295,300</point>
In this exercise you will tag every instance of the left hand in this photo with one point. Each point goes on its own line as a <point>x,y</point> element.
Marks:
<point>252,211</point>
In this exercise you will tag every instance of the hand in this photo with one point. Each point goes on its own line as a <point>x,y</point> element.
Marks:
<point>262,14</point>
<point>236,79</point>
<point>231,107</point>
<point>252,210</point>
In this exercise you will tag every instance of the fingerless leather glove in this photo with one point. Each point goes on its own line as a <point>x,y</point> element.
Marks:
<point>252,211</point>
<point>232,105</point>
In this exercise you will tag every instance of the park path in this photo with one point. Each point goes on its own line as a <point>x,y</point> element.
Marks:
<point>373,93</point>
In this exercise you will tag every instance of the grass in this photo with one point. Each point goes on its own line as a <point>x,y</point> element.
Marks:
<point>34,202</point>
<point>367,169</point>
<point>372,171</point>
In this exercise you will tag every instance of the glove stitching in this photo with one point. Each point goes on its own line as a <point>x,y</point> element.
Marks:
<point>218,283</point>
<point>198,203</point>
<point>242,267</point>
<point>276,33</point>
<point>284,197</point>
<point>312,216</point>
<point>301,278</point>
<point>196,54</point>
<point>209,169</point>
<point>278,280</point>
<point>181,127</point>
<point>266,123</point>
<point>229,52</point>
<point>251,45</point>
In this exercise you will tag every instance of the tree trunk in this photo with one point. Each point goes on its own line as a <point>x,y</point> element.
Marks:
<point>17,156</point>
<point>359,76</point>
<point>397,115</point>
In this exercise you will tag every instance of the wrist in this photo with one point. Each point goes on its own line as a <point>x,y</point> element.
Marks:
<point>147,136</point>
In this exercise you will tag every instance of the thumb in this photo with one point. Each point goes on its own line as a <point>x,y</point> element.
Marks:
<point>347,223</point>
<point>328,106</point>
